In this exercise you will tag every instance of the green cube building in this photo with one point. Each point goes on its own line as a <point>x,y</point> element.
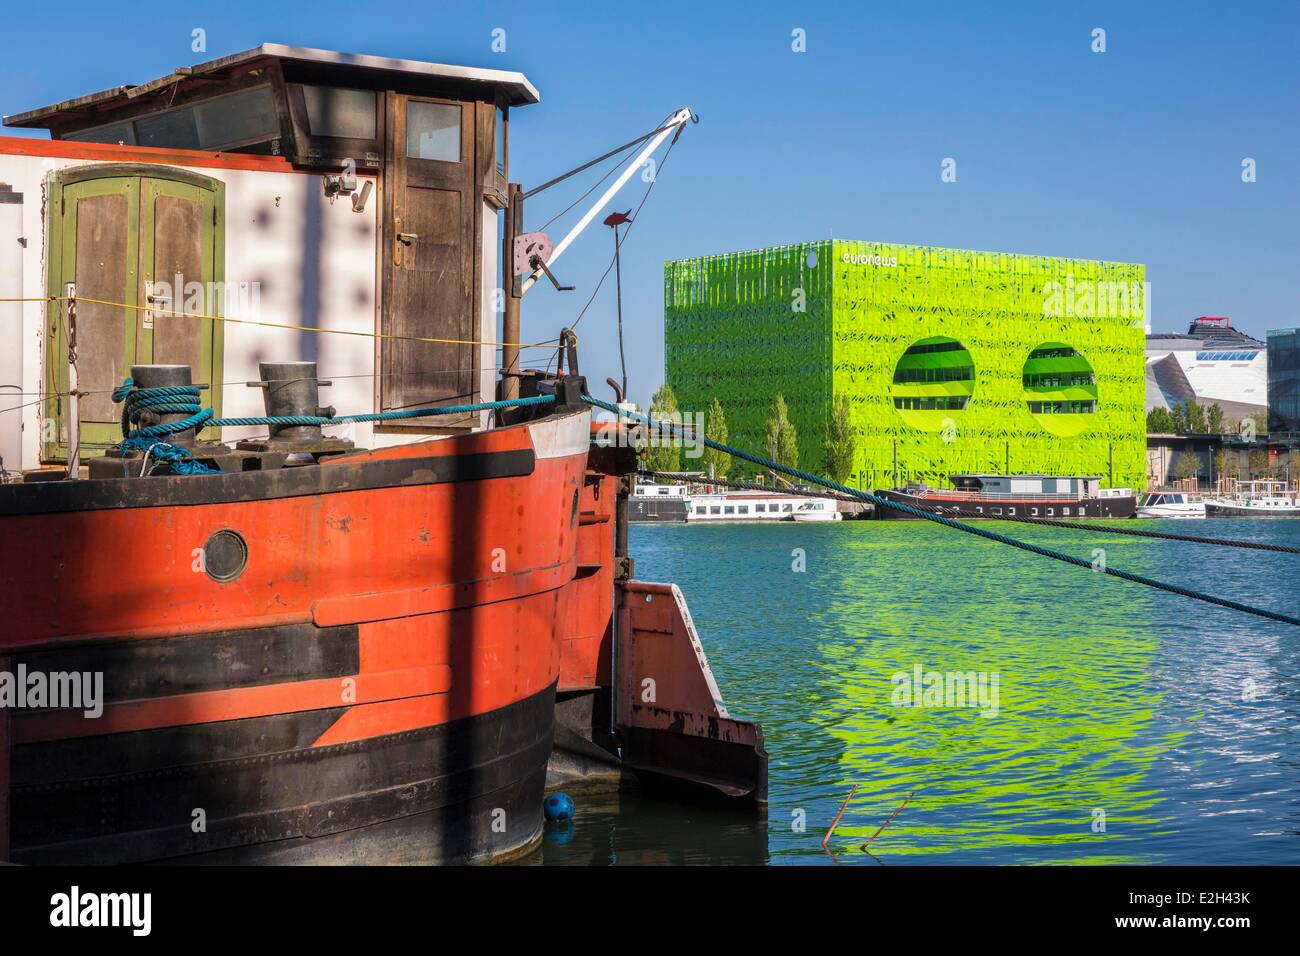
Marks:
<point>952,361</point>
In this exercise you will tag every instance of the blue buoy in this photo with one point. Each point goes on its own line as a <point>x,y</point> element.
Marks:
<point>558,806</point>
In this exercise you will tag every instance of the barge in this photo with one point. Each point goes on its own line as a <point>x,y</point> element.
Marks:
<point>1014,496</point>
<point>1255,499</point>
<point>322,638</point>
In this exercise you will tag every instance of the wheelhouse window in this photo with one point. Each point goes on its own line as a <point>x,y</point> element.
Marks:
<point>433,131</point>
<point>223,122</point>
<point>341,113</point>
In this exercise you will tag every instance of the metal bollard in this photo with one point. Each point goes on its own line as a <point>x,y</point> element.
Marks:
<point>162,376</point>
<point>291,388</point>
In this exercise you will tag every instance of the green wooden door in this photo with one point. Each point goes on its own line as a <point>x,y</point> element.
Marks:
<point>143,243</point>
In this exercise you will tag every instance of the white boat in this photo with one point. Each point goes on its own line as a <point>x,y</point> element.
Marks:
<point>1256,499</point>
<point>1170,504</point>
<point>744,506</point>
<point>819,509</point>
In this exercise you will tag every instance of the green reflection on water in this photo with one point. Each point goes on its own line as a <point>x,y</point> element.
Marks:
<point>1074,730</point>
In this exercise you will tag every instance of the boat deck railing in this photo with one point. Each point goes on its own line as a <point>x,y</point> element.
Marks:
<point>995,495</point>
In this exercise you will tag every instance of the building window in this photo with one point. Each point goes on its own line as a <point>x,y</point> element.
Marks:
<point>729,510</point>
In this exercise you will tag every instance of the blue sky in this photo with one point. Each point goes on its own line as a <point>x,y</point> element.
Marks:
<point>1133,154</point>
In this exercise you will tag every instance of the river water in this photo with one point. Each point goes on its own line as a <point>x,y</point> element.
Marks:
<point>1117,724</point>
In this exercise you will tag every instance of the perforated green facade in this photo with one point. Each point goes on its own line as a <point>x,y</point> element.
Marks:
<point>959,361</point>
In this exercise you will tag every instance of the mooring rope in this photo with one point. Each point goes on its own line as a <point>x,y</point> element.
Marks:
<point>184,400</point>
<point>947,522</point>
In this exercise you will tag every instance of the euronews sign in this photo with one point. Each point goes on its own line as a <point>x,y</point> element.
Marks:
<point>868,259</point>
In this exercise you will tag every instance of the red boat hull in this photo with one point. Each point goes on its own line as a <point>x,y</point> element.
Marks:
<point>366,675</point>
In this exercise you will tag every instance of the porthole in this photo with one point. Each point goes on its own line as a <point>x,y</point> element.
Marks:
<point>225,555</point>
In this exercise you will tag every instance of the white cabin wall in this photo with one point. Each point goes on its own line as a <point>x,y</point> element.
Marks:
<point>26,174</point>
<point>12,398</point>
<point>315,263</point>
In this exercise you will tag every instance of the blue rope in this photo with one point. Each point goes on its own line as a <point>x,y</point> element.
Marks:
<point>184,400</point>
<point>381,416</point>
<point>948,522</point>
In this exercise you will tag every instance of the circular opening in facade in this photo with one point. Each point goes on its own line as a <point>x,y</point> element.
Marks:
<point>225,555</point>
<point>933,382</point>
<point>812,259</point>
<point>1060,389</point>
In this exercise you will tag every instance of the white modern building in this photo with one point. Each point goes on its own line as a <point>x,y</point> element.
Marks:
<point>1212,363</point>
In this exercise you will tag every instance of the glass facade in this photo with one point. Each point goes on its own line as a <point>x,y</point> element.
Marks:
<point>1284,382</point>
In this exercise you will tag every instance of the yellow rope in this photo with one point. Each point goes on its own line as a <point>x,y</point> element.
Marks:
<point>280,325</point>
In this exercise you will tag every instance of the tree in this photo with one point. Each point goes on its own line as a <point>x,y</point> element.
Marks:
<point>781,435</point>
<point>1223,463</point>
<point>1159,421</point>
<point>1261,423</point>
<point>1195,418</point>
<point>841,441</point>
<point>1187,464</point>
<point>715,429</point>
<point>662,452</point>
<point>1259,464</point>
<point>1178,413</point>
<point>1215,419</point>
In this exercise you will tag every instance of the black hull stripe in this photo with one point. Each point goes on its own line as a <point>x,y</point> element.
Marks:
<point>55,497</point>
<point>449,772</point>
<point>68,764</point>
<point>139,669</point>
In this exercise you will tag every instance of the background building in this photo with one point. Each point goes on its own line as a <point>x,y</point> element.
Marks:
<point>1212,363</point>
<point>1284,384</point>
<point>951,360</point>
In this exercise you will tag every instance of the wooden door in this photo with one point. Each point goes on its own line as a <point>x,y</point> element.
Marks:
<point>178,272</point>
<point>428,255</point>
<point>114,233</point>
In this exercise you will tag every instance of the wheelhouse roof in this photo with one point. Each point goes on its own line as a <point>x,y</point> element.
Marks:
<point>513,87</point>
